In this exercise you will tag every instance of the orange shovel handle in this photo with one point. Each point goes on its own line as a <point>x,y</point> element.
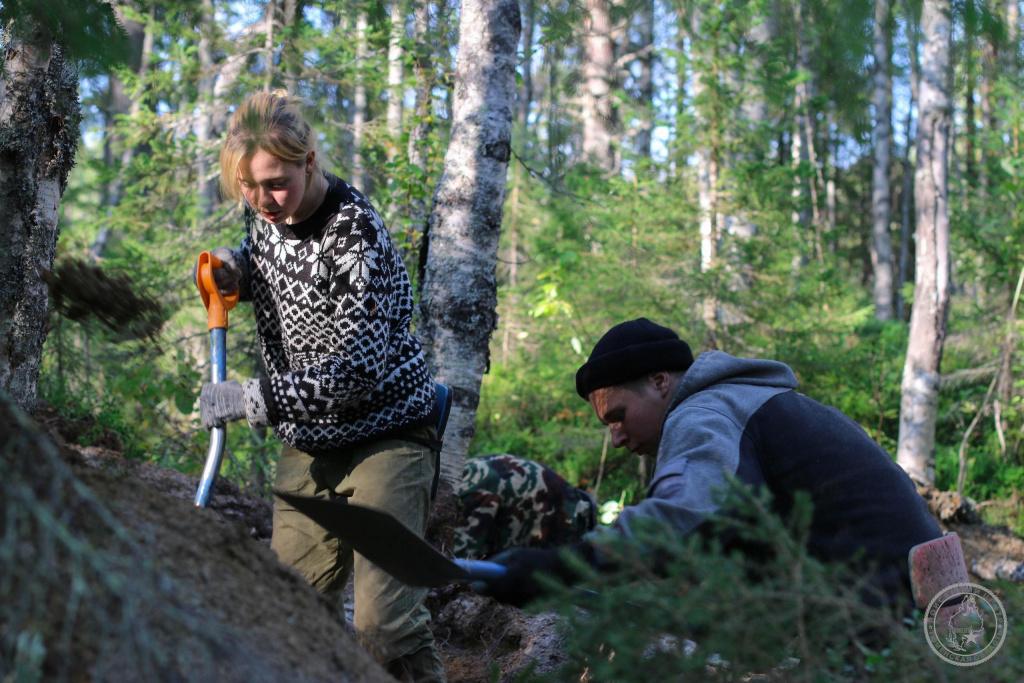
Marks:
<point>217,304</point>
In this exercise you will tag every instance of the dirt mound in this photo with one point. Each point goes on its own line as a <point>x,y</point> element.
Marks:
<point>111,574</point>
<point>481,640</point>
<point>992,552</point>
<point>212,593</point>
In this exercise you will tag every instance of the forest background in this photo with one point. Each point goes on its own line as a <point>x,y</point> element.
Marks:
<point>741,171</point>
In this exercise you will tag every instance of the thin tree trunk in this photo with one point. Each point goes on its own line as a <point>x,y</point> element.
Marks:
<point>395,76</point>
<point>645,82</point>
<point>920,386</point>
<point>291,58</point>
<point>703,75</point>
<point>805,191</point>
<point>833,176</point>
<point>553,54</point>
<point>598,79</point>
<point>881,253</point>
<point>459,294</point>
<point>421,126</point>
<point>526,93</point>
<point>206,190</point>
<point>359,104</point>
<point>39,118</point>
<point>907,196</point>
<point>270,20</point>
<point>141,38</point>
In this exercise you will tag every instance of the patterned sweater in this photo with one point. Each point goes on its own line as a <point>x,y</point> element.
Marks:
<point>333,306</point>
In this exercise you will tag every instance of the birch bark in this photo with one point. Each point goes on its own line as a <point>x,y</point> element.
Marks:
<point>459,294</point>
<point>920,386</point>
<point>39,117</point>
<point>881,211</point>
<point>395,75</point>
<point>359,177</point>
<point>598,77</point>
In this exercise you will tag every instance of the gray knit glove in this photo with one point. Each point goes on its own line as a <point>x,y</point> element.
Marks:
<point>220,403</point>
<point>229,276</point>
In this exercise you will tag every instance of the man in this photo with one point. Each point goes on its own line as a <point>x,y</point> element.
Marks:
<point>505,501</point>
<point>722,417</point>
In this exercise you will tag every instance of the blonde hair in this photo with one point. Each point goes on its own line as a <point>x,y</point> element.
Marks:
<point>271,121</point>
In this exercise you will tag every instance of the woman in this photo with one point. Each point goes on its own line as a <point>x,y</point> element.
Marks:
<point>347,387</point>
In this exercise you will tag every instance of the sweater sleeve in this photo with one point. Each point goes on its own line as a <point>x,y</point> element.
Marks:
<point>356,260</point>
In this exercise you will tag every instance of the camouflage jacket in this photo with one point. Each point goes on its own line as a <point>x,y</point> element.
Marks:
<point>507,501</point>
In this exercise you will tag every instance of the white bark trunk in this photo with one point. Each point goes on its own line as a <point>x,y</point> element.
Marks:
<point>805,194</point>
<point>526,94</point>
<point>459,290</point>
<point>920,387</point>
<point>395,76</point>
<point>598,77</point>
<point>359,104</point>
<point>39,117</point>
<point>645,82</point>
<point>881,253</point>
<point>423,71</point>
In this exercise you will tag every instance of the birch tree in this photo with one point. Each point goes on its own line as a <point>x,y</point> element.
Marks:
<point>920,386</point>
<point>396,34</point>
<point>881,252</point>
<point>707,158</point>
<point>459,291</point>
<point>39,117</point>
<point>359,104</point>
<point>598,79</point>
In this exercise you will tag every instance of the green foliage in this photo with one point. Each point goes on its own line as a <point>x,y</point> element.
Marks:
<point>86,29</point>
<point>708,613</point>
<point>588,250</point>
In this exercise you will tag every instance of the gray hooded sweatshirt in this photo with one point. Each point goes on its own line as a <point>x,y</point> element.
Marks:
<point>742,418</point>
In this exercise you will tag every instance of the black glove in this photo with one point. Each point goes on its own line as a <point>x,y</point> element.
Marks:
<point>220,403</point>
<point>519,585</point>
<point>229,276</point>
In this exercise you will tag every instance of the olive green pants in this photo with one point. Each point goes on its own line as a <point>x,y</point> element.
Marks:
<point>393,475</point>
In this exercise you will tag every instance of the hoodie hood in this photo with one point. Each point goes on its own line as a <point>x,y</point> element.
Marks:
<point>718,367</point>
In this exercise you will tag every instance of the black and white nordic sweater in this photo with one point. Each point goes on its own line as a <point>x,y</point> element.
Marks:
<point>333,306</point>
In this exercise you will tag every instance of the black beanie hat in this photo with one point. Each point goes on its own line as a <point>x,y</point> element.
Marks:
<point>629,351</point>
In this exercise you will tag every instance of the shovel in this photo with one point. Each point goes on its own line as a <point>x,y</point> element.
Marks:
<point>217,307</point>
<point>389,544</point>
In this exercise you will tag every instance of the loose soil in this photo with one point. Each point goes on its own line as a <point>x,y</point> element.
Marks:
<point>222,571</point>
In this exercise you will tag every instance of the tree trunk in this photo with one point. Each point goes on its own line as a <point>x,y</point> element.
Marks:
<point>359,178</point>
<point>526,94</point>
<point>881,253</point>
<point>907,195</point>
<point>206,186</point>
<point>459,294</point>
<point>805,191</point>
<point>645,82</point>
<point>707,156</point>
<point>395,76</point>
<point>598,78</point>
<point>270,21</point>
<point>920,387</point>
<point>39,117</point>
<point>553,57</point>
<point>424,73</point>
<point>291,58</point>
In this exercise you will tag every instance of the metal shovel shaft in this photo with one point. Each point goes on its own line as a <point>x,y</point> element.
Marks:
<point>218,373</point>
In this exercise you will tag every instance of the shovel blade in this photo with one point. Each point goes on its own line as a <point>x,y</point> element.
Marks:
<point>381,539</point>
